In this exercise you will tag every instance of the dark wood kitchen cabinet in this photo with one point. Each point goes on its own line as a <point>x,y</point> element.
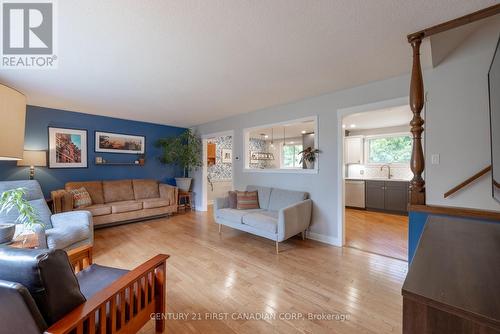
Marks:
<point>387,195</point>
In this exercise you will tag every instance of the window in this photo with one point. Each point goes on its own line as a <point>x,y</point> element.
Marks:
<point>389,149</point>
<point>276,147</point>
<point>291,157</point>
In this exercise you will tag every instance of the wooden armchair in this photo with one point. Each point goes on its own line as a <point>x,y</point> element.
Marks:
<point>124,306</point>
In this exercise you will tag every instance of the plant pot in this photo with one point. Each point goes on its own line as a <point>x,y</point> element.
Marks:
<point>7,232</point>
<point>309,164</point>
<point>183,183</point>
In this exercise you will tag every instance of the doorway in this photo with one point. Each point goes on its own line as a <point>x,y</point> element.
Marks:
<point>376,146</point>
<point>218,167</point>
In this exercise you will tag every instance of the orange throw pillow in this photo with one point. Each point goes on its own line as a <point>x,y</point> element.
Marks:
<point>246,200</point>
<point>81,198</point>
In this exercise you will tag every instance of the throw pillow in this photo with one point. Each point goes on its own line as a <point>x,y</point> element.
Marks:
<point>246,200</point>
<point>81,198</point>
<point>233,200</point>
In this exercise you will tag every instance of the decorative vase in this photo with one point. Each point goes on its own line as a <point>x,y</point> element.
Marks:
<point>7,231</point>
<point>309,164</point>
<point>183,183</point>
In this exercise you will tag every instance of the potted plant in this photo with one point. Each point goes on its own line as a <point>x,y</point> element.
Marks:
<point>185,151</point>
<point>308,157</point>
<point>28,216</point>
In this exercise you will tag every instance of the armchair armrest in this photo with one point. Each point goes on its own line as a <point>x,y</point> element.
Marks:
<point>76,223</point>
<point>80,258</point>
<point>170,192</point>
<point>220,203</point>
<point>294,219</point>
<point>147,283</point>
<point>62,200</point>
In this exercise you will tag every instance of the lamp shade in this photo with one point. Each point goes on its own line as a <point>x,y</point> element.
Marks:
<point>33,158</point>
<point>13,118</point>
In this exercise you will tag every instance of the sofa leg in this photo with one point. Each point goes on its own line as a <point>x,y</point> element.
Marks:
<point>220,228</point>
<point>303,233</point>
<point>277,247</point>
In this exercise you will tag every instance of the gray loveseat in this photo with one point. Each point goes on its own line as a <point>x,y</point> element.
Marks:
<point>60,231</point>
<point>282,214</point>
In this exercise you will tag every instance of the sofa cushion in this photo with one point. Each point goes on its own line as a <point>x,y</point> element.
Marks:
<point>281,198</point>
<point>66,235</point>
<point>94,188</point>
<point>98,209</point>
<point>145,189</point>
<point>263,220</point>
<point>232,199</point>
<point>264,195</point>
<point>152,203</point>
<point>95,278</point>
<point>246,200</point>
<point>126,206</point>
<point>33,190</point>
<point>117,191</point>
<point>40,206</point>
<point>233,215</point>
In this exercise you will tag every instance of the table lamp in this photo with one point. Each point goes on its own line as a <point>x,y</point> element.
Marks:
<point>33,159</point>
<point>13,116</point>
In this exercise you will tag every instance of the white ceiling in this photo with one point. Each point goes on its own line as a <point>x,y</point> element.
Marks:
<point>382,118</point>
<point>186,62</point>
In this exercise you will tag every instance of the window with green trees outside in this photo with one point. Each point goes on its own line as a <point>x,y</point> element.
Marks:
<point>390,149</point>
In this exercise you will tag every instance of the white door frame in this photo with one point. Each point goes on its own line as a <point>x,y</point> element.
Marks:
<point>341,113</point>
<point>204,182</point>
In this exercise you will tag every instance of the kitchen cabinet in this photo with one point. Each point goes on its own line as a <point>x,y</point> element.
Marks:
<point>353,149</point>
<point>387,195</point>
<point>211,155</point>
<point>355,193</point>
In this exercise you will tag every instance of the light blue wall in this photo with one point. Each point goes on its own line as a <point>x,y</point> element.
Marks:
<point>322,186</point>
<point>38,120</point>
<point>457,121</point>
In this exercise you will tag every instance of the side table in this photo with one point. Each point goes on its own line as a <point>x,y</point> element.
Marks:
<point>185,201</point>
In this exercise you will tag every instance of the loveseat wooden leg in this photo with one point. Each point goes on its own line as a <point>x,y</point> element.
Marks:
<point>277,247</point>
<point>220,228</point>
<point>303,233</point>
<point>160,291</point>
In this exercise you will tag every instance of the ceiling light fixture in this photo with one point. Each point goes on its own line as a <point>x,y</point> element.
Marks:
<point>304,132</point>
<point>343,126</point>
<point>353,125</point>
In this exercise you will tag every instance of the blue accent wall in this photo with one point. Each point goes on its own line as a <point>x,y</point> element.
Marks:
<point>38,120</point>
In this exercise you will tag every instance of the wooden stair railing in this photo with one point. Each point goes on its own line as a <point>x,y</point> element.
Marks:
<point>468,181</point>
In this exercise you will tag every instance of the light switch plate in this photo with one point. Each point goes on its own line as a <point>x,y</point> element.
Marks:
<point>435,159</point>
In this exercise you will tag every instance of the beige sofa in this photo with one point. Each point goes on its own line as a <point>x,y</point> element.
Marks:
<point>121,201</point>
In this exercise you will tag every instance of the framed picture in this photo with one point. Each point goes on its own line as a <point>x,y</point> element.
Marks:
<point>227,156</point>
<point>67,148</point>
<point>107,142</point>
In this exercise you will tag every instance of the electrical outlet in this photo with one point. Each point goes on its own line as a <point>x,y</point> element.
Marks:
<point>435,159</point>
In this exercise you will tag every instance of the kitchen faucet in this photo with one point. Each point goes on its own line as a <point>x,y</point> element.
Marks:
<point>388,170</point>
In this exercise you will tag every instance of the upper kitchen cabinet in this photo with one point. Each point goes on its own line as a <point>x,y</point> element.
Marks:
<point>353,150</point>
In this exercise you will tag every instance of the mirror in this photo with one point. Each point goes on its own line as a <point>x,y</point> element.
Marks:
<point>280,146</point>
<point>494,93</point>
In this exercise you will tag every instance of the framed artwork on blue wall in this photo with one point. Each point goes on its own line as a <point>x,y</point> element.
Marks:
<point>67,148</point>
<point>107,142</point>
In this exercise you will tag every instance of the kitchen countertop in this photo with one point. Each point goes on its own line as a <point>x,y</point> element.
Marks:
<point>374,179</point>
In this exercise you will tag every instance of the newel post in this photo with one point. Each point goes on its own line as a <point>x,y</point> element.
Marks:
<point>417,164</point>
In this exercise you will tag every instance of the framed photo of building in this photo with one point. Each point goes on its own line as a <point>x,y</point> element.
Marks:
<point>107,142</point>
<point>67,148</point>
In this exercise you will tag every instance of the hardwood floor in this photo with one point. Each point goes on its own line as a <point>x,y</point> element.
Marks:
<point>237,272</point>
<point>376,232</point>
